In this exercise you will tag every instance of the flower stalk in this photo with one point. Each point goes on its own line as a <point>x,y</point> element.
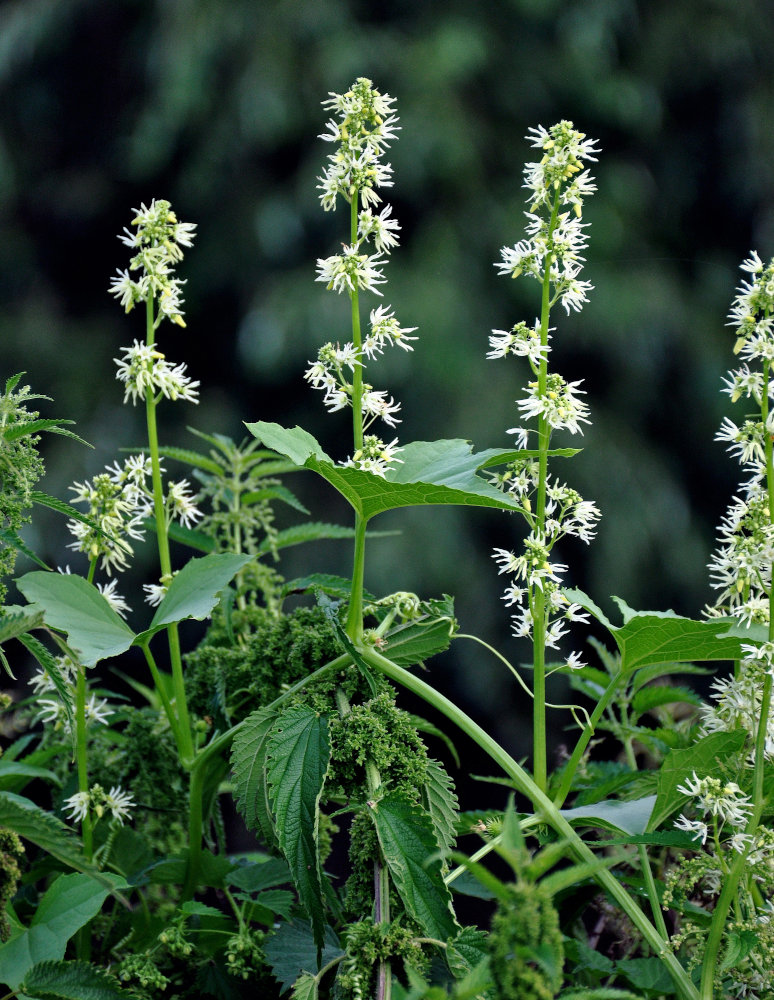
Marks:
<point>557,186</point>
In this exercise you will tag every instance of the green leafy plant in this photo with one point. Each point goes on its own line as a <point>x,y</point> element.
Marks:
<point>638,867</point>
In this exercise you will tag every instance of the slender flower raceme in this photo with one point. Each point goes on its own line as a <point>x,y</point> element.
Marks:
<point>158,241</point>
<point>553,255</point>
<point>741,574</point>
<point>363,126</point>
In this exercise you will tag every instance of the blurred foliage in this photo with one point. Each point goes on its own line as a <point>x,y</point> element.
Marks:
<point>215,105</point>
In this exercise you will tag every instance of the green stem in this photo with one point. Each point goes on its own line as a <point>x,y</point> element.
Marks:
<point>81,754</point>
<point>539,733</point>
<point>354,626</point>
<point>183,735</point>
<point>162,692</point>
<point>195,823</point>
<point>83,939</point>
<point>543,805</point>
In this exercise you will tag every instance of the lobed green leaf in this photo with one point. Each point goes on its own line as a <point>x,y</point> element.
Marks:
<point>430,472</point>
<point>76,607</point>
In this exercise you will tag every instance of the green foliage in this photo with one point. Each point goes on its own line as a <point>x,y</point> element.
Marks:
<point>248,762</point>
<point>293,951</point>
<point>11,852</point>
<point>297,758</point>
<point>96,631</point>
<point>437,472</point>
<point>227,679</point>
<point>526,950</point>
<point>377,731</point>
<point>410,851</point>
<point>70,981</point>
<point>367,945</point>
<point>70,902</point>
<point>20,467</point>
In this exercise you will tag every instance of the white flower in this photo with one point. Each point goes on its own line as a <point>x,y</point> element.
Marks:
<point>385,329</point>
<point>114,599</point>
<point>697,828</point>
<point>97,710</point>
<point>381,228</point>
<point>119,803</point>
<point>560,404</point>
<point>375,404</point>
<point>144,369</point>
<point>351,270</point>
<point>159,240</point>
<point>574,662</point>
<point>375,456</point>
<point>180,505</point>
<point>78,805</point>
<point>155,593</point>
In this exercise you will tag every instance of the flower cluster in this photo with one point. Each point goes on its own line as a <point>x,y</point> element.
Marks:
<point>145,369</point>
<point>98,802</point>
<point>119,500</point>
<point>363,128</point>
<point>557,186</point>
<point>159,240</point>
<point>722,803</point>
<point>556,238</point>
<point>741,567</point>
<point>52,710</point>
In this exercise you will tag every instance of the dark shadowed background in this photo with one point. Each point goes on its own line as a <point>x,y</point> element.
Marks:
<point>215,105</point>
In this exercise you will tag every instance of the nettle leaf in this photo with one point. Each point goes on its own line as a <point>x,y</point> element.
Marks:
<point>615,814</point>
<point>194,590</point>
<point>15,621</point>
<point>69,903</point>
<point>70,981</point>
<point>706,758</point>
<point>308,531</point>
<point>297,758</point>
<point>466,951</point>
<point>55,675</point>
<point>248,762</point>
<point>75,606</point>
<point>407,839</point>
<point>419,640</point>
<point>649,698</point>
<point>292,951</point>
<point>662,636</point>
<point>305,988</point>
<point>646,973</point>
<point>262,875</point>
<point>430,472</point>
<point>440,801</point>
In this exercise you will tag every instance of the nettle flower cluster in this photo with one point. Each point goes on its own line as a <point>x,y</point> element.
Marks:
<point>553,255</point>
<point>740,569</point>
<point>362,131</point>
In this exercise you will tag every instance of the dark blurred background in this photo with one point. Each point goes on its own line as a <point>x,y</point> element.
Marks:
<point>215,105</point>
